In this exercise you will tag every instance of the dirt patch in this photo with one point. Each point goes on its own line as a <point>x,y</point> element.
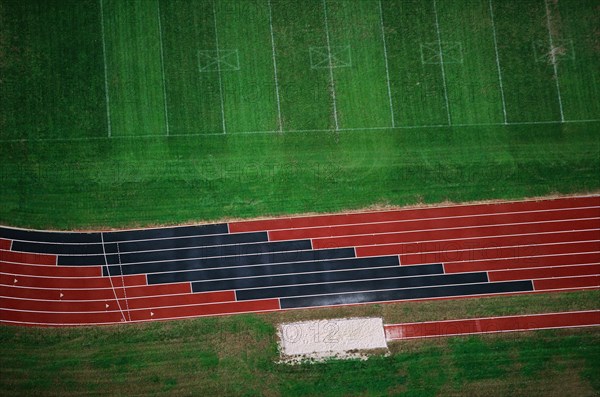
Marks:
<point>341,338</point>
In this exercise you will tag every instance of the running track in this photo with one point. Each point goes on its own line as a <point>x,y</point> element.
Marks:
<point>51,278</point>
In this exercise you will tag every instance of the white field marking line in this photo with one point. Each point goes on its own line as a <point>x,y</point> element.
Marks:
<point>122,281</point>
<point>498,63</point>
<point>387,71</point>
<point>381,128</point>
<point>279,121</point>
<point>219,68</point>
<point>332,81</point>
<point>110,279</point>
<point>429,207</point>
<point>554,62</point>
<point>398,210</point>
<point>493,332</point>
<point>107,98</point>
<point>439,37</point>
<point>162,67</point>
<point>492,318</point>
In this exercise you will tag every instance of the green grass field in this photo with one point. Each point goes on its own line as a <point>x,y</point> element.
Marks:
<point>117,113</point>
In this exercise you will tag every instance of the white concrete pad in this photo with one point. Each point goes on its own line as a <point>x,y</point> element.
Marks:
<point>321,339</point>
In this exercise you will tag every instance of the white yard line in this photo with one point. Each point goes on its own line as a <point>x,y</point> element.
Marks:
<point>439,37</point>
<point>332,81</point>
<point>554,62</point>
<point>498,63</point>
<point>387,71</point>
<point>219,69</point>
<point>404,127</point>
<point>162,67</point>
<point>105,69</point>
<point>279,121</point>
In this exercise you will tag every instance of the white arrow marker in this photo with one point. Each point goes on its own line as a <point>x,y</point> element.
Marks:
<point>107,305</point>
<point>151,314</point>
<point>15,281</point>
<point>61,295</point>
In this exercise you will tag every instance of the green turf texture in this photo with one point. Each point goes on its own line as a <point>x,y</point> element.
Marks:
<point>228,109</point>
<point>236,356</point>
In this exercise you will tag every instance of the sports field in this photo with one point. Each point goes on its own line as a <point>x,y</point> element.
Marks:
<point>127,113</point>
<point>119,113</point>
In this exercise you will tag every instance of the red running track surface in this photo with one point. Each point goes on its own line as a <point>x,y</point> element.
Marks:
<point>553,243</point>
<point>492,325</point>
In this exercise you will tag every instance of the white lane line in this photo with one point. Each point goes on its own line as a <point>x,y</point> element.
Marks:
<point>397,211</point>
<point>554,62</point>
<point>229,290</point>
<point>519,246</point>
<point>107,97</point>
<point>219,69</point>
<point>441,54</point>
<point>492,317</point>
<point>351,236</point>
<point>279,120</point>
<point>110,278</point>
<point>83,279</point>
<point>162,67</point>
<point>332,81</point>
<point>122,281</point>
<point>498,63</point>
<point>387,71</point>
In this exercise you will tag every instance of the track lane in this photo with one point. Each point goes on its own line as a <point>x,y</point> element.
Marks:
<point>492,324</point>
